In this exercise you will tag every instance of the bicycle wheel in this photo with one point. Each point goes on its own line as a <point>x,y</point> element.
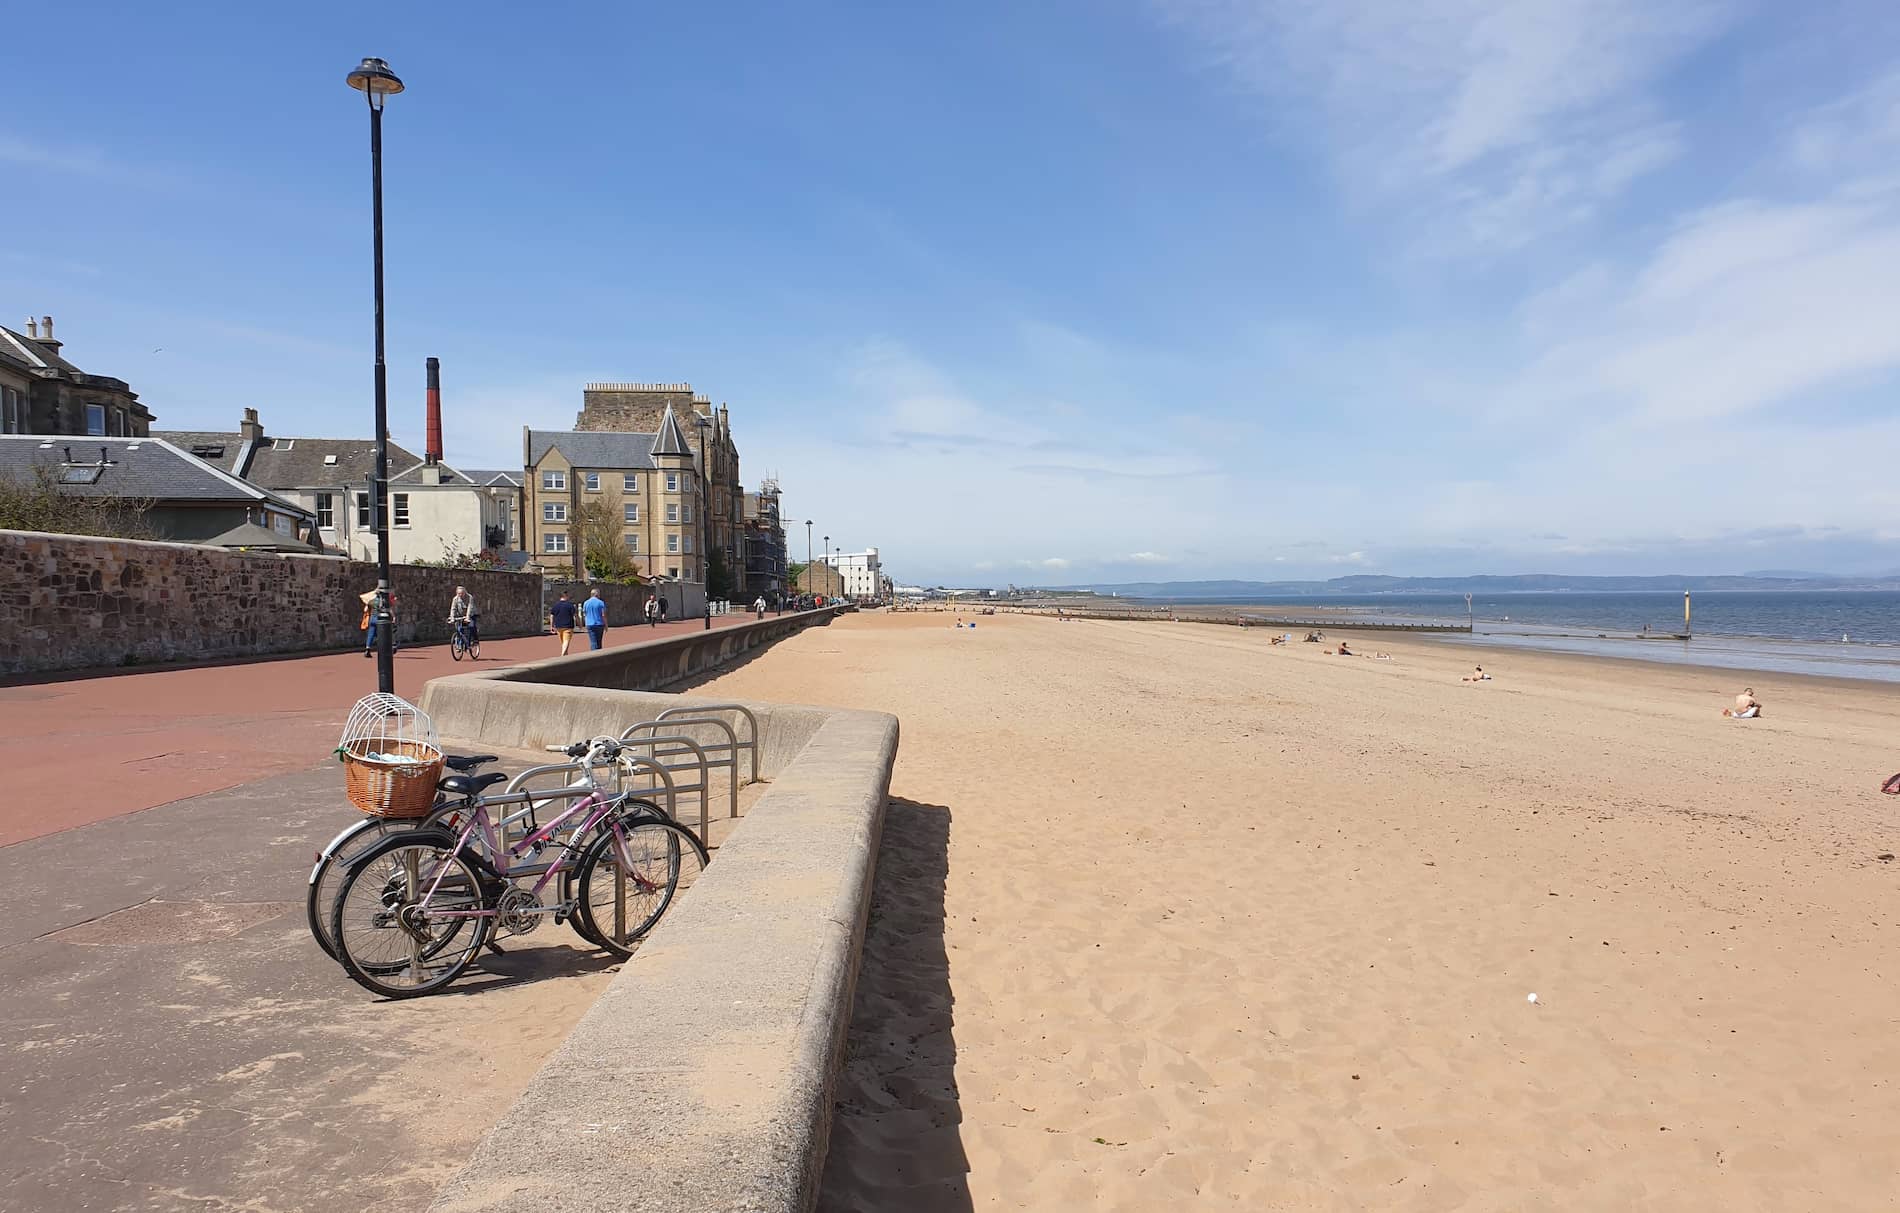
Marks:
<point>402,913</point>
<point>475,650</point>
<point>332,863</point>
<point>457,646</point>
<point>631,875</point>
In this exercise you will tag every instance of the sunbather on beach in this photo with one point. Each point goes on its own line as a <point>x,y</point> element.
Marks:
<point>1747,707</point>
<point>1344,651</point>
<point>1477,675</point>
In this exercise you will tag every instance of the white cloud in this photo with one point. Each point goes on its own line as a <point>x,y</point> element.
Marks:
<point>1147,558</point>
<point>1510,120</point>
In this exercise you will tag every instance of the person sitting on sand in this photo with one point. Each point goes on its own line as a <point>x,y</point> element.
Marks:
<point>1477,675</point>
<point>1344,651</point>
<point>1747,707</point>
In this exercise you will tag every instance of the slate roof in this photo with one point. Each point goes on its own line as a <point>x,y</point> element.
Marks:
<point>671,440</point>
<point>593,448</point>
<point>487,476</point>
<point>136,467</point>
<point>30,354</point>
<point>292,463</point>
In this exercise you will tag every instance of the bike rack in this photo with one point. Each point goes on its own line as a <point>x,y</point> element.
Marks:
<point>730,748</point>
<point>750,744</point>
<point>684,745</point>
<point>663,774</point>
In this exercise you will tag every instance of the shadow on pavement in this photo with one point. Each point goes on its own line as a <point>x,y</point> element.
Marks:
<point>896,1140</point>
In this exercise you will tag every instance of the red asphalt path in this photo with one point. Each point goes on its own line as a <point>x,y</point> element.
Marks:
<point>94,746</point>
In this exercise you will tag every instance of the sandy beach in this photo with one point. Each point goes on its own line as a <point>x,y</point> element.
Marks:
<point>1167,917</point>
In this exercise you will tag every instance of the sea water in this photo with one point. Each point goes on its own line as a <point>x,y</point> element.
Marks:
<point>1847,634</point>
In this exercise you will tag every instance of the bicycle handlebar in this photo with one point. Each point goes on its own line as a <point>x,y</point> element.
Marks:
<point>599,749</point>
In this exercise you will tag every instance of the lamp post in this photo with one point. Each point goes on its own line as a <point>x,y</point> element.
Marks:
<point>827,551</point>
<point>376,82</point>
<point>806,578</point>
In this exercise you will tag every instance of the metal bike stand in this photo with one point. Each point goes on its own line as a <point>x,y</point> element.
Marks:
<point>751,743</point>
<point>687,745</point>
<point>705,750</point>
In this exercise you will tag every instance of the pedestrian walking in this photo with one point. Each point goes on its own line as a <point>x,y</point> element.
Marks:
<point>561,615</point>
<point>662,608</point>
<point>370,623</point>
<point>595,613</point>
<point>653,613</point>
<point>758,607</point>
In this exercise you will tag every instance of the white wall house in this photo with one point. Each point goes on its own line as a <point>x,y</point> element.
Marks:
<point>860,571</point>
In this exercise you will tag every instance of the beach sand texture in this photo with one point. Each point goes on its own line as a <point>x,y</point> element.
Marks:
<point>1166,917</point>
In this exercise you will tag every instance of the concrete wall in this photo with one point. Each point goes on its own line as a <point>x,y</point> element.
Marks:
<point>709,1065</point>
<point>74,602</point>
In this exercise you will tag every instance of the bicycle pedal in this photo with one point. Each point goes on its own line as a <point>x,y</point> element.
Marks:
<point>496,948</point>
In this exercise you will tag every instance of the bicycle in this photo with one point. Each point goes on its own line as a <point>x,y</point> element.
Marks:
<point>463,640</point>
<point>400,910</point>
<point>354,840</point>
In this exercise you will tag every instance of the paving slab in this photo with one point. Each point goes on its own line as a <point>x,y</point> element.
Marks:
<point>173,1039</point>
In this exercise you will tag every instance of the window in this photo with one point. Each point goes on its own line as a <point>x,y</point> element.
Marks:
<point>686,513</point>
<point>633,543</point>
<point>632,510</point>
<point>672,482</point>
<point>399,507</point>
<point>95,419</point>
<point>630,483</point>
<point>554,511</point>
<point>12,411</point>
<point>593,482</point>
<point>362,511</point>
<point>281,523</point>
<point>326,512</point>
<point>672,543</point>
<point>554,541</point>
<point>674,572</point>
<point>672,511</point>
<point>554,482</point>
<point>689,543</point>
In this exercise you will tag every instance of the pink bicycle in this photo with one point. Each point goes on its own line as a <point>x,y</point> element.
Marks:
<point>415,909</point>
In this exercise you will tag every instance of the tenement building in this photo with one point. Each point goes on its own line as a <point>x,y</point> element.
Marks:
<point>638,408</point>
<point>42,393</point>
<point>762,539</point>
<point>639,490</point>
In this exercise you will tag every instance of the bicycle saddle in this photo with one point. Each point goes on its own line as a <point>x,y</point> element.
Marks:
<point>471,785</point>
<point>467,762</point>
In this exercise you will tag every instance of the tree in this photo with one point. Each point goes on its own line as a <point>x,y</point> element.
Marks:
<point>595,532</point>
<point>795,576</point>
<point>718,577</point>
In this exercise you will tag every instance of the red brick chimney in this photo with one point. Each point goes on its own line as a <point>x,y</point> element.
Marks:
<point>433,454</point>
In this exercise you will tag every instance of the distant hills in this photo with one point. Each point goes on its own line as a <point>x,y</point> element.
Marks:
<point>1529,583</point>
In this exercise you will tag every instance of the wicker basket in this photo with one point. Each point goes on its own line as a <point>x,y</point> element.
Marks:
<point>391,789</point>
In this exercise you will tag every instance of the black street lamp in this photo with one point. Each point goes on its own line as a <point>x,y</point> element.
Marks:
<point>806,588</point>
<point>375,81</point>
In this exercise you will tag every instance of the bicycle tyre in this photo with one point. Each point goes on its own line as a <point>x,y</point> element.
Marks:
<point>456,647</point>
<point>475,650</point>
<point>668,857</point>
<point>332,863</point>
<point>369,942</point>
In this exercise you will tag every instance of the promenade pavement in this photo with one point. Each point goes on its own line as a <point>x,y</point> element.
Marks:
<point>90,746</point>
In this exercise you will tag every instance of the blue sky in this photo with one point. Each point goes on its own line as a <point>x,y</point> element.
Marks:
<point>1040,293</point>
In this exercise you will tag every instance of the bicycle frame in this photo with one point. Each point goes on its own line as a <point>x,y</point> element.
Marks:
<point>596,806</point>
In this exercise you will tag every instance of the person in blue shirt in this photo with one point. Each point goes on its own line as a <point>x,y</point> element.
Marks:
<point>595,612</point>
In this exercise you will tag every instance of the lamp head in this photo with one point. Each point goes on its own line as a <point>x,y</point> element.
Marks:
<point>375,81</point>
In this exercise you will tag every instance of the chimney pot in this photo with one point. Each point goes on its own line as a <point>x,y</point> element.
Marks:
<point>46,328</point>
<point>251,429</point>
<point>32,327</point>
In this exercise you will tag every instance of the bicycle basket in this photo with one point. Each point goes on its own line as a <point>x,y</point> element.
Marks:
<point>391,761</point>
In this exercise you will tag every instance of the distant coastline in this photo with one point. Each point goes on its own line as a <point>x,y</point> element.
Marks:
<point>1523,583</point>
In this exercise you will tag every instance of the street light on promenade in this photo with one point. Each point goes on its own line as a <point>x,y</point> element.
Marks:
<point>806,588</point>
<point>376,82</point>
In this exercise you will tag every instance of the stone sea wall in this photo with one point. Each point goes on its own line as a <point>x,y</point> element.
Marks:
<point>70,602</point>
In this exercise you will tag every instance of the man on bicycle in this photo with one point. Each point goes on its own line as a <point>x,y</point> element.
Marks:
<point>464,616</point>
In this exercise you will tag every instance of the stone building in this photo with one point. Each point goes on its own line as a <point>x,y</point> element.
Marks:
<point>762,544</point>
<point>637,408</point>
<point>646,481</point>
<point>42,393</point>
